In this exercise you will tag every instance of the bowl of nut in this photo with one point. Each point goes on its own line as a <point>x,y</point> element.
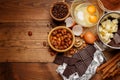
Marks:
<point>59,11</point>
<point>61,39</point>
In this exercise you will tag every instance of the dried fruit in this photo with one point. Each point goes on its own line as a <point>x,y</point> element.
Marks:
<point>29,33</point>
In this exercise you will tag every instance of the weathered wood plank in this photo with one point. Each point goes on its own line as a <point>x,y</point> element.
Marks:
<point>17,46</point>
<point>29,71</point>
<point>25,55</point>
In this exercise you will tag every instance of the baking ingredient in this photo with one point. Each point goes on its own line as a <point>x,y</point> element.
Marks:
<point>61,38</point>
<point>91,9</point>
<point>77,30</point>
<point>108,28</point>
<point>109,69</point>
<point>78,42</point>
<point>86,14</point>
<point>89,37</point>
<point>69,22</point>
<point>93,18</point>
<point>60,10</point>
<point>29,33</point>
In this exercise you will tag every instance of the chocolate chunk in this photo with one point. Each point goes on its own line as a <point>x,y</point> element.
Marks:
<point>91,50</point>
<point>88,61</point>
<point>118,32</point>
<point>84,54</point>
<point>116,38</point>
<point>59,60</point>
<point>63,59</point>
<point>72,61</point>
<point>112,42</point>
<point>81,68</point>
<point>77,55</point>
<point>69,71</point>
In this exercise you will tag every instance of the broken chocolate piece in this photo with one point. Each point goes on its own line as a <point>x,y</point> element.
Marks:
<point>77,55</point>
<point>69,71</point>
<point>88,61</point>
<point>85,53</point>
<point>63,59</point>
<point>118,32</point>
<point>72,61</point>
<point>59,59</point>
<point>116,38</point>
<point>91,50</point>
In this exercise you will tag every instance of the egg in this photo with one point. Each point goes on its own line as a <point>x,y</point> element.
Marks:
<point>89,37</point>
<point>86,14</point>
<point>93,18</point>
<point>91,9</point>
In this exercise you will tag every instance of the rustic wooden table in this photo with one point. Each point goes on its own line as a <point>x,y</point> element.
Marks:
<point>17,18</point>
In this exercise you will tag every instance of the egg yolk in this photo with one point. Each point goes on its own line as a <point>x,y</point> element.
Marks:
<point>91,9</point>
<point>93,19</point>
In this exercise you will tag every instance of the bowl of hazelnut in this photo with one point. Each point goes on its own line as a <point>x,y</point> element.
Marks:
<point>61,39</point>
<point>59,11</point>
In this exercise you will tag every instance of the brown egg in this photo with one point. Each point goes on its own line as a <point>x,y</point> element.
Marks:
<point>89,37</point>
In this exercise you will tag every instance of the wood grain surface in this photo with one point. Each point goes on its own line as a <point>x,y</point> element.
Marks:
<point>17,46</point>
<point>17,18</point>
<point>28,71</point>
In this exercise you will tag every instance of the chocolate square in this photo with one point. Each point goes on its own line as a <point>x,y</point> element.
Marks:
<point>116,38</point>
<point>88,61</point>
<point>63,59</point>
<point>59,60</point>
<point>69,71</point>
<point>77,55</point>
<point>118,32</point>
<point>81,68</point>
<point>91,50</point>
<point>84,55</point>
<point>70,61</point>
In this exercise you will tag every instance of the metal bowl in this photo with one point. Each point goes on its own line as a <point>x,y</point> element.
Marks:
<point>99,22</point>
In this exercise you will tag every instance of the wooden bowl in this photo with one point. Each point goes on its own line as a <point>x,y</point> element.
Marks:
<point>50,38</point>
<point>63,18</point>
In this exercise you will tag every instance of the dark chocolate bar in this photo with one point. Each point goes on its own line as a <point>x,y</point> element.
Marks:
<point>78,62</point>
<point>85,53</point>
